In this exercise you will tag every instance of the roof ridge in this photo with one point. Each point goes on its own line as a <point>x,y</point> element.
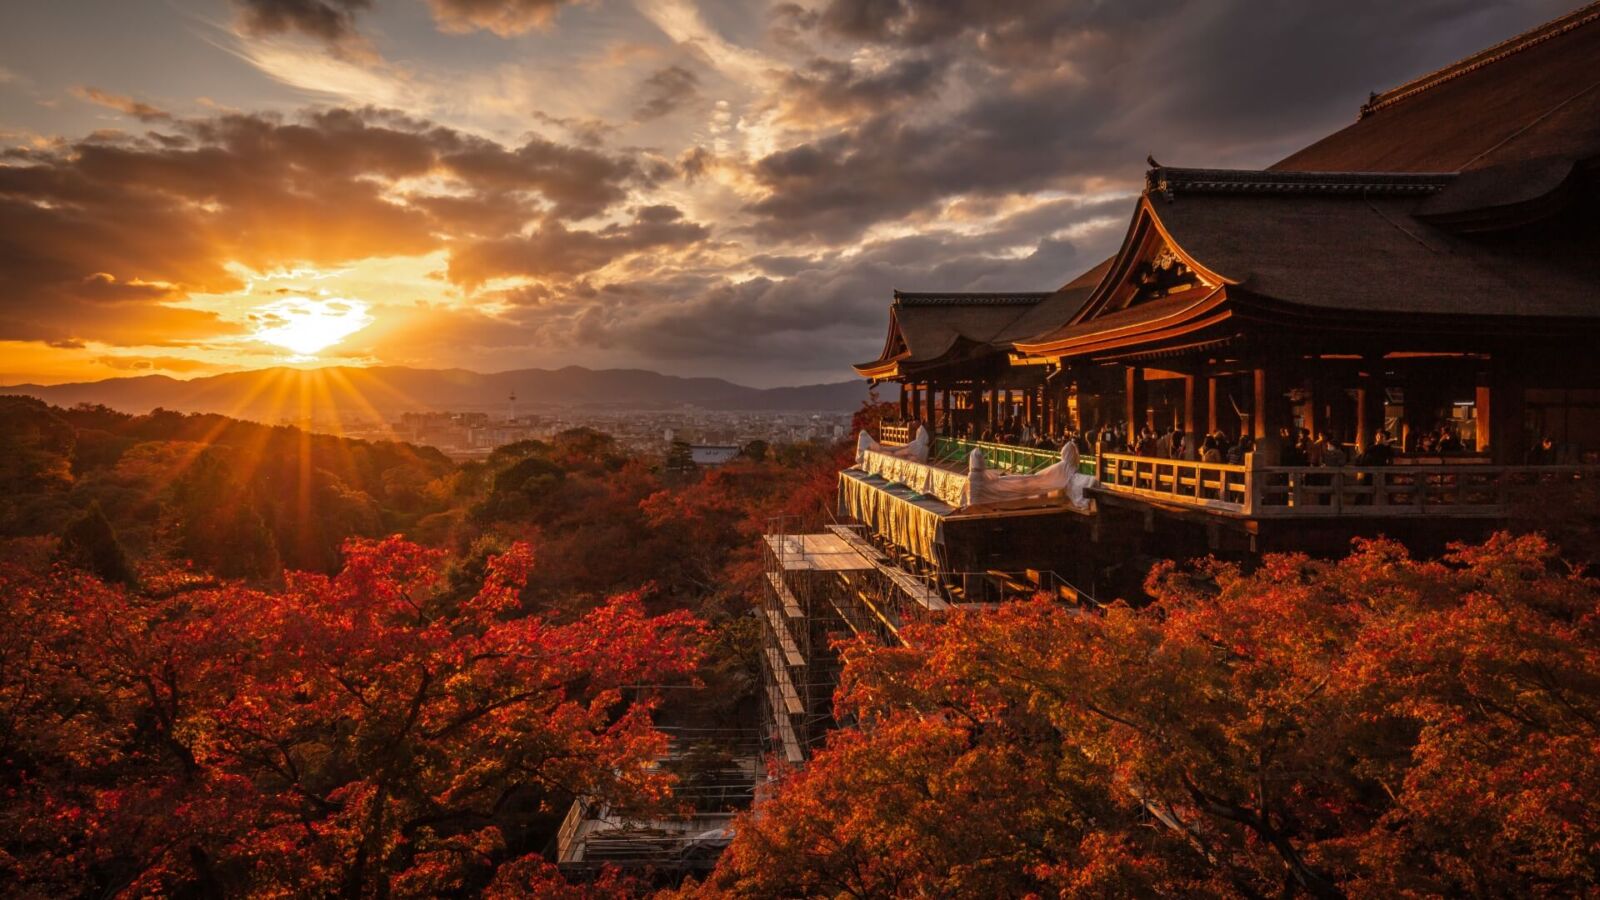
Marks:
<point>968,298</point>
<point>1511,46</point>
<point>1170,180</point>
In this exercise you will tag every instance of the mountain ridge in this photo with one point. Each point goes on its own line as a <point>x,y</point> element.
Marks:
<point>390,390</point>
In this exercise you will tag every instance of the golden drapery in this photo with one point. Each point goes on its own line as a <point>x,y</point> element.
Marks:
<point>950,487</point>
<point>910,519</point>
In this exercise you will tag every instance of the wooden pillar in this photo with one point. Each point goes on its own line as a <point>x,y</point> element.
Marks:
<point>1482,413</point>
<point>994,407</point>
<point>1267,415</point>
<point>1315,418</point>
<point>1369,407</point>
<point>904,398</point>
<point>1135,400</point>
<point>927,407</point>
<point>1188,404</point>
<point>1211,405</point>
<point>947,425</point>
<point>1508,402</point>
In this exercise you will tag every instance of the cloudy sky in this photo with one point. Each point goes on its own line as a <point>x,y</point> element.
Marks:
<point>727,187</point>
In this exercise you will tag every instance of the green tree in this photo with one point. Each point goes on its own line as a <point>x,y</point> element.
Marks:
<point>91,543</point>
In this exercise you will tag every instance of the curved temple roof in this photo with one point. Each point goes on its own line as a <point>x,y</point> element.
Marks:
<point>930,328</point>
<point>1455,200</point>
<point>1420,209</point>
<point>1535,95</point>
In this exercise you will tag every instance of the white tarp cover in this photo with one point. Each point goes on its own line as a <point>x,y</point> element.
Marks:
<point>985,486</point>
<point>951,487</point>
<point>917,450</point>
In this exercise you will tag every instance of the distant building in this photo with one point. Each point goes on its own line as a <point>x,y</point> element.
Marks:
<point>713,454</point>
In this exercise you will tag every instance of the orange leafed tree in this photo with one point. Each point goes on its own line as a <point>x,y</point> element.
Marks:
<point>371,733</point>
<point>1378,726</point>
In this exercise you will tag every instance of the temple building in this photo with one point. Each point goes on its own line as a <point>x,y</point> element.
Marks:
<point>1393,330</point>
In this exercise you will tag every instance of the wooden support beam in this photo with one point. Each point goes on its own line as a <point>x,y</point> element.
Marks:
<point>1189,406</point>
<point>1211,405</point>
<point>1482,413</point>
<point>1134,391</point>
<point>1508,403</point>
<point>1369,406</point>
<point>1267,410</point>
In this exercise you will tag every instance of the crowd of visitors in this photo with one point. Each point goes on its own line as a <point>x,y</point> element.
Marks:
<point>1292,446</point>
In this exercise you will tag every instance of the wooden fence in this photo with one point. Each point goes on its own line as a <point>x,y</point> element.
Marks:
<point>1306,491</point>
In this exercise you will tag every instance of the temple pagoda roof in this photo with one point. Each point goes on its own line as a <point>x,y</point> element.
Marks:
<point>934,328</point>
<point>1354,246</point>
<point>1458,196</point>
<point>1535,95</point>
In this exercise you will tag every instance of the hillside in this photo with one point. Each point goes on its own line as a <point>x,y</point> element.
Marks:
<point>389,390</point>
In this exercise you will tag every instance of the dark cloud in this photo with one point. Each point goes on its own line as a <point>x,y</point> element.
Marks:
<point>665,91</point>
<point>589,132</point>
<point>1073,95</point>
<point>578,181</point>
<point>826,88</point>
<point>503,17</point>
<point>553,251</point>
<point>151,363</point>
<point>815,314</point>
<point>104,239</point>
<point>328,20</point>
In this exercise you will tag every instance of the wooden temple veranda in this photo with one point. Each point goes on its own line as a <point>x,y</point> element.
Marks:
<point>1431,269</point>
<point>1435,264</point>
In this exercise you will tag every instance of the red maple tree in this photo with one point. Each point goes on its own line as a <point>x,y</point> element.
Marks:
<point>1377,726</point>
<point>371,733</point>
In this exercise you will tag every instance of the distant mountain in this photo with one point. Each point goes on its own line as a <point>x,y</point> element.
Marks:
<point>273,394</point>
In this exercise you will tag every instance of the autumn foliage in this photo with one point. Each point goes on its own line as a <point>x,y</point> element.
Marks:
<point>378,732</point>
<point>1378,726</point>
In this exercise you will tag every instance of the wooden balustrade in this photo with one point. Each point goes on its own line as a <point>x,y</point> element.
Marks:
<point>1005,457</point>
<point>894,434</point>
<point>1447,490</point>
<point>1204,485</point>
<point>1305,491</point>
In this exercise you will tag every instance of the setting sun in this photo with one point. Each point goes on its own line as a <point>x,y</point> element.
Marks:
<point>308,326</point>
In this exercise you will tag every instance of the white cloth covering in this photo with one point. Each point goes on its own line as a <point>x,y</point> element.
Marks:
<point>916,451</point>
<point>985,486</point>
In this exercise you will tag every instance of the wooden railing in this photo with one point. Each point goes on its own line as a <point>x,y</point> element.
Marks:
<point>894,434</point>
<point>1447,490</point>
<point>1203,485</point>
<point>1006,457</point>
<point>1305,491</point>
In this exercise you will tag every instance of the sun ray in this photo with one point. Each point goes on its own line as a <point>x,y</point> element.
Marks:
<point>307,326</point>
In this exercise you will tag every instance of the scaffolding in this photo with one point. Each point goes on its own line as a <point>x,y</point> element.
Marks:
<point>801,615</point>
<point>846,581</point>
<point>688,834</point>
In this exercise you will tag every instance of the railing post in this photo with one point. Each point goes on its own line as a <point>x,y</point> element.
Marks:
<point>1253,478</point>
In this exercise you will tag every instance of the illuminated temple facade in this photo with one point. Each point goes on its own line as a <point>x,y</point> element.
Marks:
<point>1430,272</point>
